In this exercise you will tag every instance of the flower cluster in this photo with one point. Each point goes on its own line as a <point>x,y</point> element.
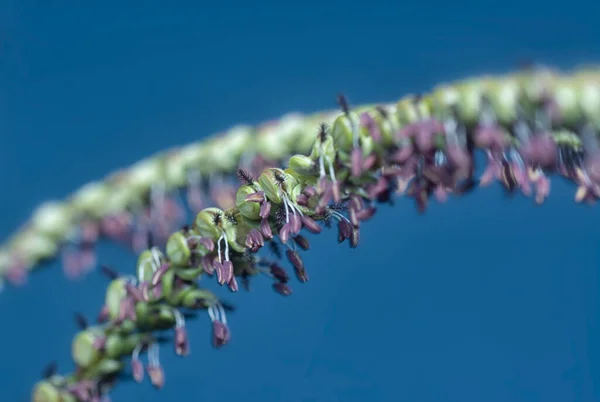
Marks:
<point>496,114</point>
<point>529,126</point>
<point>149,196</point>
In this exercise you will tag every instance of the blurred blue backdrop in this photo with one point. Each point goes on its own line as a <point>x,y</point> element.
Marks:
<point>483,299</point>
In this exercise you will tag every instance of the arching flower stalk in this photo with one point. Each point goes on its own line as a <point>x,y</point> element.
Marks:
<point>530,126</point>
<point>479,112</point>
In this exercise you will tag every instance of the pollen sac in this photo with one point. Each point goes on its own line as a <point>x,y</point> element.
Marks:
<point>302,164</point>
<point>248,209</point>
<point>178,250</point>
<point>83,348</point>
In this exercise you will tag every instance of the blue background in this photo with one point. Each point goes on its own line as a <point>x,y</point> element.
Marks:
<point>483,299</point>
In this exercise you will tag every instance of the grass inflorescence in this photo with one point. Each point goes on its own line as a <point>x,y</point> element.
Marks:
<point>530,125</point>
<point>128,203</point>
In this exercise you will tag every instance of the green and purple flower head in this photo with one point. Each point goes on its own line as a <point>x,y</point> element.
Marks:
<point>531,126</point>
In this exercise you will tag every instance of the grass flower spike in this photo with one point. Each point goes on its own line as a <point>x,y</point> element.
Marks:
<point>531,125</point>
<point>489,113</point>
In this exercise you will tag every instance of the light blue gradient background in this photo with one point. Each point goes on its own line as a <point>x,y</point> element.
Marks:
<point>484,299</point>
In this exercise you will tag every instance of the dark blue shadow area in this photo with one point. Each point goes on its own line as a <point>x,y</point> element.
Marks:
<point>483,299</point>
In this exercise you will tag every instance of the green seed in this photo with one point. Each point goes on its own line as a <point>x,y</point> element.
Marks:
<point>324,148</point>
<point>272,181</point>
<point>82,349</point>
<point>342,131</point>
<point>302,164</point>
<point>114,345</point>
<point>178,250</point>
<point>161,317</point>
<point>504,97</point>
<point>46,391</point>
<point>168,283</point>
<point>249,210</point>
<point>410,110</point>
<point>115,293</point>
<point>209,223</point>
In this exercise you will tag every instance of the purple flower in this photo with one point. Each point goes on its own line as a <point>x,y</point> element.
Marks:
<point>137,369</point>
<point>490,137</point>
<point>265,229</point>
<point>254,240</point>
<point>356,160</point>
<point>311,225</point>
<point>541,150</point>
<point>284,233</point>
<point>224,271</point>
<point>279,273</point>
<point>233,285</point>
<point>220,333</point>
<point>298,265</point>
<point>220,270</point>
<point>354,238</point>
<point>133,292</point>
<point>208,264</point>
<point>302,242</point>
<point>344,230</point>
<point>157,375</point>
<point>295,223</point>
<point>493,170</point>
<point>302,199</point>
<point>103,315</point>
<point>370,124</point>
<point>207,243</point>
<point>265,209</point>
<point>282,288</point>
<point>182,346</point>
